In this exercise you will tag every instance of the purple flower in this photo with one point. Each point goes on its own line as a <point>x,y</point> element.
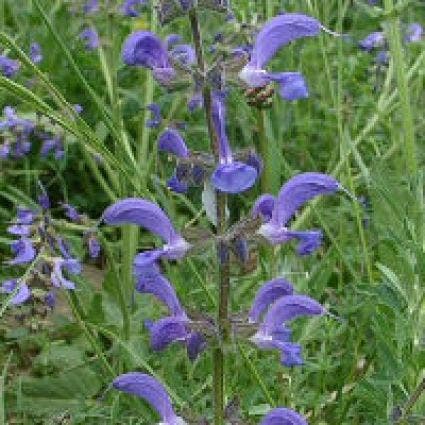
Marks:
<point>263,207</point>
<point>195,102</point>
<point>176,185</point>
<point>23,294</point>
<point>4,151</point>
<point>414,33</point>
<point>94,246</point>
<point>171,141</point>
<point>149,389</point>
<point>71,265</point>
<point>175,327</point>
<point>130,8</point>
<point>22,226</point>
<point>283,416</point>
<point>184,54</point>
<point>91,6</point>
<point>13,123</point>
<point>9,67</point>
<point>35,53</point>
<point>72,213</point>
<point>276,33</point>
<point>172,39</point>
<point>272,334</point>
<point>146,49</point>
<point>91,38</point>
<point>78,108</point>
<point>267,295</point>
<point>156,119</point>
<point>372,41</point>
<point>293,194</point>
<point>50,299</point>
<point>148,215</point>
<point>151,281</point>
<point>383,57</point>
<point>230,176</point>
<point>24,251</point>
<point>55,144</point>
<point>44,201</point>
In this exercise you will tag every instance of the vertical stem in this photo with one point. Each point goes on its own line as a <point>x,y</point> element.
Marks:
<point>222,249</point>
<point>264,151</point>
<point>396,50</point>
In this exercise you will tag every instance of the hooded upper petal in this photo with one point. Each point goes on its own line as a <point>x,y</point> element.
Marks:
<point>267,295</point>
<point>144,48</point>
<point>151,281</point>
<point>151,390</point>
<point>298,190</point>
<point>283,416</point>
<point>288,308</point>
<point>143,213</point>
<point>171,141</point>
<point>278,32</point>
<point>263,207</point>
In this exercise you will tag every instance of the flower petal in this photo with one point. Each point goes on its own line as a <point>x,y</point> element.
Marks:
<point>278,32</point>
<point>149,389</point>
<point>292,85</point>
<point>183,54</point>
<point>298,190</point>
<point>267,295</point>
<point>176,185</point>
<point>23,294</point>
<point>414,33</point>
<point>235,177</point>
<point>143,213</point>
<point>168,330</point>
<point>263,207</point>
<point>151,281</point>
<point>145,261</point>
<point>309,241</point>
<point>171,141</point>
<point>289,308</point>
<point>195,344</point>
<point>24,250</point>
<point>144,48</point>
<point>372,41</point>
<point>283,416</point>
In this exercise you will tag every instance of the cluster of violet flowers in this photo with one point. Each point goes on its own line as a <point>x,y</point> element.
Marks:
<point>276,303</point>
<point>377,42</point>
<point>89,34</point>
<point>19,135</point>
<point>41,248</point>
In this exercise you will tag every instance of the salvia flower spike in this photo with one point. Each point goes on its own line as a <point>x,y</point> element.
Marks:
<point>292,196</point>
<point>150,390</point>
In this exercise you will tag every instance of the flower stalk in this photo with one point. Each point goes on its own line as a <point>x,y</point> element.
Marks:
<point>223,260</point>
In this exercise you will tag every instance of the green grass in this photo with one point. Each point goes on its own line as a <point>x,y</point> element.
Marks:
<point>362,124</point>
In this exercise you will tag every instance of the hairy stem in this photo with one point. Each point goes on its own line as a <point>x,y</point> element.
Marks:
<point>222,249</point>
